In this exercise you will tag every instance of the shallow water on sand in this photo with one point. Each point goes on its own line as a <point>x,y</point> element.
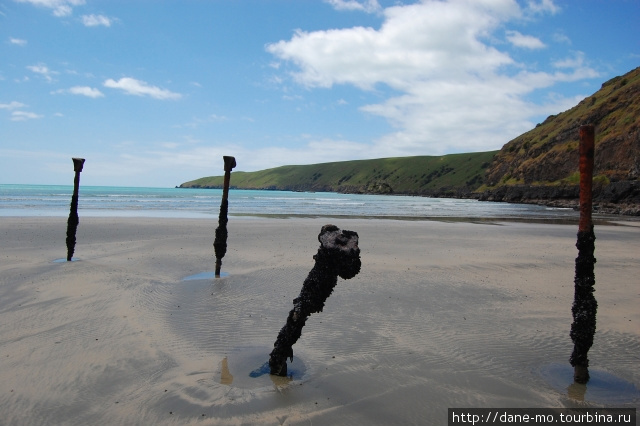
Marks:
<point>415,357</point>
<point>206,275</point>
<point>602,387</point>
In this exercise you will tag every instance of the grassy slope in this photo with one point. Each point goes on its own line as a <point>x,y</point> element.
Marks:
<point>404,175</point>
<point>548,154</point>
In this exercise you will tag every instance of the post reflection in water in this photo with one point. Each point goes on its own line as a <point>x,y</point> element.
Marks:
<point>226,378</point>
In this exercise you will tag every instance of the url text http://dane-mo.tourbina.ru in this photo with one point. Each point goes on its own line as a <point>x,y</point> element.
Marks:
<point>541,416</point>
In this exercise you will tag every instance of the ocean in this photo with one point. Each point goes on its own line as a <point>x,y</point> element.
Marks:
<point>103,201</point>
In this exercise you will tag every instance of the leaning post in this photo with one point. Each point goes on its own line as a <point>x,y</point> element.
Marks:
<point>220,242</point>
<point>338,255</point>
<point>72,222</point>
<point>584,306</point>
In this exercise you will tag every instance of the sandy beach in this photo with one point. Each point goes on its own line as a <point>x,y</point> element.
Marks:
<point>443,314</point>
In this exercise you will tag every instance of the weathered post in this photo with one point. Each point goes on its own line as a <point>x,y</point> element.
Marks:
<point>72,222</point>
<point>584,306</point>
<point>220,242</point>
<point>338,255</point>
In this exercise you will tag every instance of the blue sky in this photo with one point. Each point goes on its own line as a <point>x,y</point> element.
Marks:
<point>155,92</point>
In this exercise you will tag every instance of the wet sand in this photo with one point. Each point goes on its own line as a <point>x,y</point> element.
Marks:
<point>441,315</point>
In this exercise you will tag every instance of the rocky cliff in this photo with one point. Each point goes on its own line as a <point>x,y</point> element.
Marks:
<point>541,166</point>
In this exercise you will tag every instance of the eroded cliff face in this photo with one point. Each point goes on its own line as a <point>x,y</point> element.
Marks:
<point>547,156</point>
<point>549,152</point>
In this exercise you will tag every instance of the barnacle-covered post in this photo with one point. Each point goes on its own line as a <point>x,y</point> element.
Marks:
<point>73,221</point>
<point>338,255</point>
<point>220,242</point>
<point>584,306</point>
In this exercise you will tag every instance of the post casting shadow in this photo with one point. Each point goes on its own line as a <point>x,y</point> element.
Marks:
<point>64,260</point>
<point>208,275</point>
<point>603,387</point>
<point>248,368</point>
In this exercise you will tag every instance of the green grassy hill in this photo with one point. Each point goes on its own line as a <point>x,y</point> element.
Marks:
<point>450,175</point>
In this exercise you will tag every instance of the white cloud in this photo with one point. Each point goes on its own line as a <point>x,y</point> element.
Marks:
<point>197,122</point>
<point>60,8</point>
<point>40,69</point>
<point>96,20</point>
<point>415,42</point>
<point>369,6</point>
<point>135,87</point>
<point>86,91</point>
<point>12,105</point>
<point>17,41</point>
<point>452,89</point>
<point>561,38</point>
<point>23,116</point>
<point>576,61</point>
<point>543,6</point>
<point>292,97</point>
<point>525,41</point>
<point>43,70</point>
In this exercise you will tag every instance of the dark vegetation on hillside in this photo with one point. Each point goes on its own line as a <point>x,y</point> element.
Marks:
<point>539,166</point>
<point>449,175</point>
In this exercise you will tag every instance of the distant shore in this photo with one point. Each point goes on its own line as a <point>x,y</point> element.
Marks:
<point>618,198</point>
<point>105,201</point>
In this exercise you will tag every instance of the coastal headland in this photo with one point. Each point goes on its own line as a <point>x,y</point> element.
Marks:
<point>538,167</point>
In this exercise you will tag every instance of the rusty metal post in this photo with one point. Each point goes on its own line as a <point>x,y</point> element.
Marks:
<point>584,306</point>
<point>73,221</point>
<point>587,148</point>
<point>338,255</point>
<point>220,242</point>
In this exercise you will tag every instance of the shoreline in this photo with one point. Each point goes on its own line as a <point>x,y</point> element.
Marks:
<point>443,314</point>
<point>607,201</point>
<point>598,219</point>
<point>603,208</point>
<point>169,202</point>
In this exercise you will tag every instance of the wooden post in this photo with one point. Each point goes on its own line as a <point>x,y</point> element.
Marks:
<point>220,242</point>
<point>73,221</point>
<point>584,306</point>
<point>338,255</point>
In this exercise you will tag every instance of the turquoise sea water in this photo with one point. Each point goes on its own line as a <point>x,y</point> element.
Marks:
<point>54,200</point>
